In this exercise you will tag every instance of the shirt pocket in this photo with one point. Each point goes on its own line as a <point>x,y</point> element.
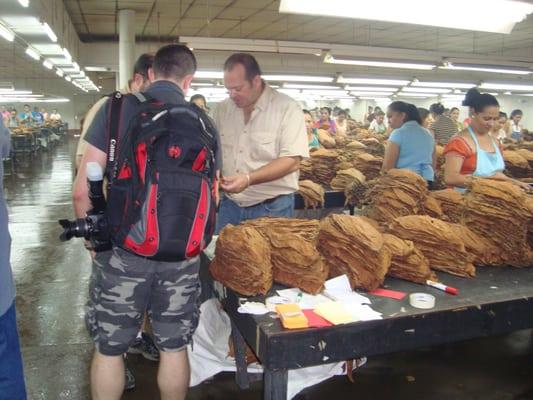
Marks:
<point>263,147</point>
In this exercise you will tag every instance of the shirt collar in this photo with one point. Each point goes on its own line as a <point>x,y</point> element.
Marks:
<point>264,99</point>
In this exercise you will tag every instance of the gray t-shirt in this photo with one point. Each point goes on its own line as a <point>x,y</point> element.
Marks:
<point>7,286</point>
<point>163,91</point>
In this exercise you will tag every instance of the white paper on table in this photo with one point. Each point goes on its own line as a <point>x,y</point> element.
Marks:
<point>309,301</point>
<point>339,289</point>
<point>290,294</point>
<point>209,354</point>
<point>362,312</point>
<point>253,307</point>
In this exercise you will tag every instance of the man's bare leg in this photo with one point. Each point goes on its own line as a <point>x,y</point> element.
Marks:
<point>107,377</point>
<point>173,375</point>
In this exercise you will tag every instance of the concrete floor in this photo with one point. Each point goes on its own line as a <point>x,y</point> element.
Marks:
<point>52,282</point>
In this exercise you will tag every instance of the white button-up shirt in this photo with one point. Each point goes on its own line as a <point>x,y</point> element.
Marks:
<point>276,129</point>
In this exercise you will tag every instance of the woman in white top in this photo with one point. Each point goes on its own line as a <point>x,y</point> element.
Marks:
<point>378,124</point>
<point>498,131</point>
<point>342,123</point>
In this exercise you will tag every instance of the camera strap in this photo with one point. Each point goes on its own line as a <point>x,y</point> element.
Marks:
<point>113,129</point>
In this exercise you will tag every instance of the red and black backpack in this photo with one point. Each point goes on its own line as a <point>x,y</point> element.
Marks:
<point>162,172</point>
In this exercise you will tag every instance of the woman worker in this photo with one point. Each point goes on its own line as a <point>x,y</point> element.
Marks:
<point>312,135</point>
<point>474,152</point>
<point>410,145</point>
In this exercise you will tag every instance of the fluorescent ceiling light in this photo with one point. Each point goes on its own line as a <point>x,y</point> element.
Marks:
<point>48,49</point>
<point>425,90</point>
<point>505,86</point>
<point>375,98</point>
<point>370,88</point>
<point>78,76</point>
<point>48,64</point>
<point>14,92</point>
<point>50,33</point>
<point>454,85</point>
<point>32,53</point>
<point>24,3</point>
<point>355,93</point>
<point>198,83</point>
<point>329,59</point>
<point>60,61</point>
<point>323,92</point>
<point>10,95</point>
<point>7,33</point>
<point>96,69</point>
<point>403,94</point>
<point>371,81</point>
<point>67,54</point>
<point>68,78</point>
<point>59,73</point>
<point>304,86</point>
<point>209,74</point>
<point>298,78</point>
<point>496,70</point>
<point>500,17</point>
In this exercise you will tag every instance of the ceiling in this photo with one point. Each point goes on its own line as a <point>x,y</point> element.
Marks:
<point>165,20</point>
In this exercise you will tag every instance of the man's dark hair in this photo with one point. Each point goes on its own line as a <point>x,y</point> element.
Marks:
<point>143,64</point>
<point>174,61</point>
<point>247,61</point>
<point>198,96</point>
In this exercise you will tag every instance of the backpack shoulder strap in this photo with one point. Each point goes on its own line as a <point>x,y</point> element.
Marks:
<point>113,126</point>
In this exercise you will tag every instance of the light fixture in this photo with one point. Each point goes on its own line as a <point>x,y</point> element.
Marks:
<point>50,32</point>
<point>68,78</point>
<point>76,66</point>
<point>454,85</point>
<point>96,69</point>
<point>480,68</point>
<point>304,86</point>
<point>48,49</point>
<point>60,61</point>
<point>425,90</point>
<point>209,74</point>
<point>59,73</point>
<point>505,86</point>
<point>13,92</point>
<point>500,17</point>
<point>371,93</point>
<point>67,54</point>
<point>370,88</point>
<point>198,84</point>
<point>404,94</point>
<point>48,64</point>
<point>32,53</point>
<point>372,81</point>
<point>24,3</point>
<point>322,92</point>
<point>507,93</point>
<point>298,78</point>
<point>7,33</point>
<point>376,99</point>
<point>329,59</point>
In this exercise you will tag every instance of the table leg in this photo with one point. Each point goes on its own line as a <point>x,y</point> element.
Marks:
<point>275,384</point>
<point>241,375</point>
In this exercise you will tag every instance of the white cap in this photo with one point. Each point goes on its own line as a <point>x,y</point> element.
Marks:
<point>94,171</point>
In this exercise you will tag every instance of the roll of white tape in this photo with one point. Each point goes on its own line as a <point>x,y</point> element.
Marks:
<point>422,300</point>
<point>271,302</point>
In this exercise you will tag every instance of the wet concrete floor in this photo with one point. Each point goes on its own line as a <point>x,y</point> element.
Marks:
<point>52,279</point>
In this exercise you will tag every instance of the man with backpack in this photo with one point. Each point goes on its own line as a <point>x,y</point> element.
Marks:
<point>160,155</point>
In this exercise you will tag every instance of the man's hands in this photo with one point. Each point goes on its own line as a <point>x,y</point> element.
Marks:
<point>235,183</point>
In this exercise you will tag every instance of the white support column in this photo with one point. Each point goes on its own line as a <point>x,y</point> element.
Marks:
<point>126,46</point>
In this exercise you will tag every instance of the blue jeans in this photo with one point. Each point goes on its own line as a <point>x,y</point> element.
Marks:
<point>230,213</point>
<point>11,373</point>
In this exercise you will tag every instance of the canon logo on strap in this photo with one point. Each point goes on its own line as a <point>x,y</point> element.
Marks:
<point>112,147</point>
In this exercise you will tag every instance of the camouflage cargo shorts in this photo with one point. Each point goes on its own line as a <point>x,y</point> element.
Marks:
<point>123,286</point>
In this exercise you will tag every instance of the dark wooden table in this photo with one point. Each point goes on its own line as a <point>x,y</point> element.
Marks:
<point>498,300</point>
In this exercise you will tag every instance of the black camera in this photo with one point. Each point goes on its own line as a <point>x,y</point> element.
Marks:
<point>94,226</point>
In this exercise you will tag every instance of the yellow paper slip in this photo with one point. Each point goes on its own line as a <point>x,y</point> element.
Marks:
<point>335,313</point>
<point>291,316</point>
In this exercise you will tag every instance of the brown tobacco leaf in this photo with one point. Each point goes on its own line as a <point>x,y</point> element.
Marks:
<point>451,202</point>
<point>242,261</point>
<point>353,246</point>
<point>312,194</point>
<point>438,241</point>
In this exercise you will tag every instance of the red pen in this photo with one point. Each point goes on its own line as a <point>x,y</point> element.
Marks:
<point>441,286</point>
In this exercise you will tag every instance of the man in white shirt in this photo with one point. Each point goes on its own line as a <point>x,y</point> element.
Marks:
<point>263,139</point>
<point>55,116</point>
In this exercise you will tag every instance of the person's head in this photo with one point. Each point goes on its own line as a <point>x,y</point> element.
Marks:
<point>3,109</point>
<point>436,109</point>
<point>13,112</point>
<point>27,108</point>
<point>341,115</point>
<point>141,76</point>
<point>36,109</point>
<point>377,109</point>
<point>380,117</point>
<point>309,122</point>
<point>325,113</point>
<point>399,112</point>
<point>424,116</point>
<point>175,63</point>
<point>516,116</point>
<point>43,110</point>
<point>485,110</point>
<point>370,109</point>
<point>446,112</point>
<point>242,79</point>
<point>454,113</point>
<point>503,118</point>
<point>200,101</point>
